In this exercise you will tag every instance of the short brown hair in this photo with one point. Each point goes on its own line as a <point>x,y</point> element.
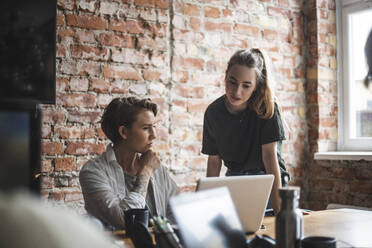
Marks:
<point>123,112</point>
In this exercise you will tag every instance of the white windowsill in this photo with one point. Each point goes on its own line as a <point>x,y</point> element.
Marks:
<point>343,156</point>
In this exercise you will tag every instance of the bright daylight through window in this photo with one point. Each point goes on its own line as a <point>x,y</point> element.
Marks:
<point>356,99</point>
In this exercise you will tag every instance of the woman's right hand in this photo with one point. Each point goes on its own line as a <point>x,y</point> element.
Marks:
<point>149,161</point>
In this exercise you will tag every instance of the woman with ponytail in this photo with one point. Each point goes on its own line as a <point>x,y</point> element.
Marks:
<point>243,128</point>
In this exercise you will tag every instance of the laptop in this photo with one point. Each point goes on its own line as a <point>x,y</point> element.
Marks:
<point>208,219</point>
<point>250,194</point>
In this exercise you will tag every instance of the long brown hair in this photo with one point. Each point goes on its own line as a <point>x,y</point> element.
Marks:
<point>261,100</point>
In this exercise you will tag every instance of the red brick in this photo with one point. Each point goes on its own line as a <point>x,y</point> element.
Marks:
<point>53,116</point>
<point>155,43</point>
<point>74,132</point>
<point>100,86</point>
<point>233,41</point>
<point>46,182</point>
<point>363,174</point>
<point>196,106</point>
<point>80,68</point>
<point>227,13</point>
<point>180,76</point>
<point>73,196</point>
<point>100,133</point>
<point>245,29</point>
<point>60,19</point>
<point>66,4</point>
<point>84,148</point>
<point>64,164</point>
<point>119,87</point>
<point>107,39</point>
<point>89,52</point>
<point>198,163</point>
<point>285,72</point>
<point>89,22</point>
<point>61,51</point>
<point>270,34</point>
<point>327,28</point>
<point>123,72</point>
<point>187,9</point>
<point>283,3</point>
<point>151,75</point>
<point>80,162</point>
<point>132,27</point>
<point>187,91</point>
<point>57,196</point>
<point>342,173</point>
<point>195,23</point>
<point>61,84</point>
<point>129,56</point>
<point>51,148</point>
<point>79,84</point>
<point>215,66</point>
<point>162,4</point>
<point>364,187</point>
<point>327,122</point>
<point>215,26</point>
<point>323,184</point>
<point>299,73</point>
<point>76,100</point>
<point>188,63</point>
<point>274,11</point>
<point>187,35</point>
<point>88,5</point>
<point>45,132</point>
<point>159,29</point>
<point>46,165</point>
<point>84,116</point>
<point>65,34</point>
<point>180,119</point>
<point>331,5</point>
<point>85,36</point>
<point>211,12</point>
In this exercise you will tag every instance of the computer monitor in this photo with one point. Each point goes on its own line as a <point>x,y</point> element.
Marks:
<point>208,219</point>
<point>28,50</point>
<point>20,125</point>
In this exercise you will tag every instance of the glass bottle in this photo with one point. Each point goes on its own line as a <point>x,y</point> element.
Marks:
<point>289,222</point>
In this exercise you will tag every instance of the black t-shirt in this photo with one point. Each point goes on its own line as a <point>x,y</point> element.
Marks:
<point>238,139</point>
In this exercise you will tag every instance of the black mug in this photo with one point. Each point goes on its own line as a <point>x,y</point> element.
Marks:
<point>135,215</point>
<point>318,242</point>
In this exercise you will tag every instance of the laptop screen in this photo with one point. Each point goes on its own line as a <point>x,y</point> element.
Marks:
<point>208,219</point>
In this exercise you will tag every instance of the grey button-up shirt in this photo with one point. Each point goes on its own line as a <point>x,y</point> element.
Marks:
<point>107,190</point>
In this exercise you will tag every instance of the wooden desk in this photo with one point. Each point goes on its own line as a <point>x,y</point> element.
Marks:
<point>347,225</point>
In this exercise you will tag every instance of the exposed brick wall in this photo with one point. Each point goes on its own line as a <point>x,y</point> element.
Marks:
<point>343,182</point>
<point>176,53</point>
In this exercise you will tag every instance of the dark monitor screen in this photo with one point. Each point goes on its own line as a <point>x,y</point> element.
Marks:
<point>19,148</point>
<point>28,50</point>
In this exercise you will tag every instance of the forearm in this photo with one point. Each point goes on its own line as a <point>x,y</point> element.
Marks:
<point>276,202</point>
<point>214,166</point>
<point>142,182</point>
<point>271,164</point>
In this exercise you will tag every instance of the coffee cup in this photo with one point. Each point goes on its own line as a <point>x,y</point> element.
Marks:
<point>135,215</point>
<point>318,242</point>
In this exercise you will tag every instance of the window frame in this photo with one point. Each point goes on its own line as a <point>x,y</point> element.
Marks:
<point>345,142</point>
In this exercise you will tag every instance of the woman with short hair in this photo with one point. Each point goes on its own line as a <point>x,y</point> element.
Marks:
<point>128,174</point>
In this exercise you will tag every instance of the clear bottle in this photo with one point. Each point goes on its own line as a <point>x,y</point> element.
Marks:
<point>289,222</point>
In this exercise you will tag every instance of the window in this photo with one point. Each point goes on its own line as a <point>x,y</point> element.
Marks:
<point>355,101</point>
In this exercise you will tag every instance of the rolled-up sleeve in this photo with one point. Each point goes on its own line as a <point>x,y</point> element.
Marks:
<point>101,200</point>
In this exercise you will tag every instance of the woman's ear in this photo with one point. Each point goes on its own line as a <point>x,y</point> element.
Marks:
<point>123,132</point>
